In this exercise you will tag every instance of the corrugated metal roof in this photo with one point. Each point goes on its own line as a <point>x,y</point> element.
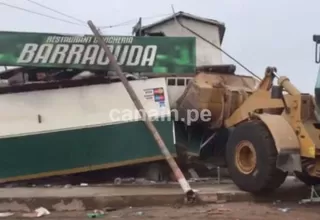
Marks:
<point>220,25</point>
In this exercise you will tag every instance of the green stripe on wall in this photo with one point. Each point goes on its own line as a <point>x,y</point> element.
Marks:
<point>26,155</point>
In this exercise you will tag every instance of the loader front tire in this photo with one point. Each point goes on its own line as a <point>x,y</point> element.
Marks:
<point>251,157</point>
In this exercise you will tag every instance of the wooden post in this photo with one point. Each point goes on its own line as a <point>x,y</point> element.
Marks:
<point>172,163</point>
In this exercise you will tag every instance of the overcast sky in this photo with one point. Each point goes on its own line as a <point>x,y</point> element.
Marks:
<point>258,33</point>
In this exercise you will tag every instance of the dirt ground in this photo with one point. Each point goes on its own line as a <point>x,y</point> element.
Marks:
<point>226,211</point>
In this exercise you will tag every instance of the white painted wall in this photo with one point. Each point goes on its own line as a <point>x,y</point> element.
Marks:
<point>70,108</point>
<point>206,54</point>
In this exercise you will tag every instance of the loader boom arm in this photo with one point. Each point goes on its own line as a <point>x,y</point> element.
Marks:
<point>316,39</point>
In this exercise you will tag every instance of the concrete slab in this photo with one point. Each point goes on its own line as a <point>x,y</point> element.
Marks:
<point>98,197</point>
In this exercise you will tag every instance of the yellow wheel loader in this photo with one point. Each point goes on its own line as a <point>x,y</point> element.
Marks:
<point>272,130</point>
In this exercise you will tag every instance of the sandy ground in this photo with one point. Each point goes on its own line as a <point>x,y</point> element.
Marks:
<point>226,211</point>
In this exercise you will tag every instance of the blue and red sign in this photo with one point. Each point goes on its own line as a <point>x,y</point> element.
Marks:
<point>157,94</point>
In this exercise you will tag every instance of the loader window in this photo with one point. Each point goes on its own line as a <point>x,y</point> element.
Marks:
<point>181,82</point>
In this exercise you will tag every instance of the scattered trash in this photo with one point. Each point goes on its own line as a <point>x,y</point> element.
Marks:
<point>96,214</point>
<point>37,213</point>
<point>42,211</point>
<point>6,214</point>
<point>139,213</point>
<point>109,209</point>
<point>144,181</point>
<point>47,185</point>
<point>276,202</point>
<point>83,184</point>
<point>284,209</point>
<point>220,201</point>
<point>67,186</point>
<point>120,180</point>
<point>193,180</point>
<point>218,211</point>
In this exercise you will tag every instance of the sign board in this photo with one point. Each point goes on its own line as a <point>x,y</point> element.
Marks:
<point>134,54</point>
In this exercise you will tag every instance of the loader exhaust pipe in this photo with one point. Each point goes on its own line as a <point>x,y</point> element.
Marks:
<point>190,194</point>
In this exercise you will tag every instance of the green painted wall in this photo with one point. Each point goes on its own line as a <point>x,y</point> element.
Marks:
<point>82,147</point>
